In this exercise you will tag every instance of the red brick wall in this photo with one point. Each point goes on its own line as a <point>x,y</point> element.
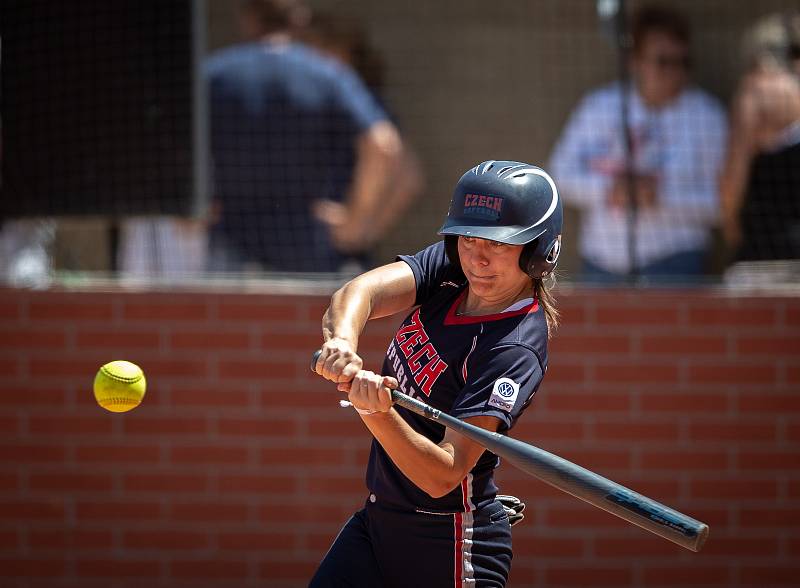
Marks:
<point>239,468</point>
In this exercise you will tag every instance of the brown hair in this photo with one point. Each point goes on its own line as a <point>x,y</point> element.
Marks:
<point>276,15</point>
<point>349,38</point>
<point>544,294</point>
<point>660,19</point>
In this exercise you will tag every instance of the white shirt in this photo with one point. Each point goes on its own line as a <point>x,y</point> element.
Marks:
<point>682,144</point>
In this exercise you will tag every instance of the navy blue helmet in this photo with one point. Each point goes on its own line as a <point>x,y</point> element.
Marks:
<point>509,202</point>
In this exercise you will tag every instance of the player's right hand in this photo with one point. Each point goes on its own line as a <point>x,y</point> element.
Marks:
<point>370,392</point>
<point>338,361</point>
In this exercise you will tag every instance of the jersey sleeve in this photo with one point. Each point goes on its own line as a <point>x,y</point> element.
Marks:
<point>431,267</point>
<point>353,98</point>
<point>500,383</point>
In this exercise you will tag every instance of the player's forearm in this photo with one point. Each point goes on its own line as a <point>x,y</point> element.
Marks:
<point>380,292</point>
<point>348,313</point>
<point>430,466</point>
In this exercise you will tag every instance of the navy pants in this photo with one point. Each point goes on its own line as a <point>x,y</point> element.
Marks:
<point>385,547</point>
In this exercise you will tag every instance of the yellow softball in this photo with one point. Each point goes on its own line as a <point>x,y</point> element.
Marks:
<point>119,386</point>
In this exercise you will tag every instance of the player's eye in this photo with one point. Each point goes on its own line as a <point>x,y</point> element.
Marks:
<point>468,240</point>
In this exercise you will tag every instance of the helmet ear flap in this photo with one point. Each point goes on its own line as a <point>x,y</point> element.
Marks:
<point>526,258</point>
<point>539,264</point>
<point>554,252</point>
<point>451,248</point>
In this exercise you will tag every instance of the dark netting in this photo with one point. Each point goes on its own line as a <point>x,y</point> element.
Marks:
<point>97,108</point>
<point>161,139</point>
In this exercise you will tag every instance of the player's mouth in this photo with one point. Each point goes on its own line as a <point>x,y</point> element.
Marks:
<point>478,278</point>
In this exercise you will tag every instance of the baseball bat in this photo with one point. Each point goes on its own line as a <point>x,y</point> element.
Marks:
<point>571,478</point>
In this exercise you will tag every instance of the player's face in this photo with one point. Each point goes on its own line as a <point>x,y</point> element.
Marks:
<point>492,269</point>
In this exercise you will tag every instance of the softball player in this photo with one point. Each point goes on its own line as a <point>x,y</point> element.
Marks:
<point>474,347</point>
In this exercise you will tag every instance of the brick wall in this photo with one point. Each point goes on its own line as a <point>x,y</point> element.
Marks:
<point>239,468</point>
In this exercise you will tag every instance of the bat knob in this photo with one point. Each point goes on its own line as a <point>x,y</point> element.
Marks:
<point>314,359</point>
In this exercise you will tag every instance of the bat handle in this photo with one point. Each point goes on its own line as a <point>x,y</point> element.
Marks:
<point>398,397</point>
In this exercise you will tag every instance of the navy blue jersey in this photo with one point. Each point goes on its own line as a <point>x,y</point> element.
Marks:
<point>466,366</point>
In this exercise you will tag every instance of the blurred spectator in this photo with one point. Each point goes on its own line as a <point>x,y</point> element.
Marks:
<point>760,184</point>
<point>162,247</point>
<point>677,134</point>
<point>25,256</point>
<point>346,40</point>
<point>283,120</point>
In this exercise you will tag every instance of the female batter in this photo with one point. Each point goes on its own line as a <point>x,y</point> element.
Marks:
<point>475,347</point>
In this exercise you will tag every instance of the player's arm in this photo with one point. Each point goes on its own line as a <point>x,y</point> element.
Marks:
<point>435,468</point>
<point>377,293</point>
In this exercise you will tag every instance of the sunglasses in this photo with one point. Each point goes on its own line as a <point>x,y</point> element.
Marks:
<point>671,61</point>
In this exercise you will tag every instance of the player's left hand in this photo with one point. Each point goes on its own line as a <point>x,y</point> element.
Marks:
<point>370,392</point>
<point>338,360</point>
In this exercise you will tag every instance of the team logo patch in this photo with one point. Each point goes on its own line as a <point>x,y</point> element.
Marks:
<point>483,206</point>
<point>504,394</point>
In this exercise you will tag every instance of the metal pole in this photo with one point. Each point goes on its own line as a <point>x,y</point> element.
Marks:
<point>614,22</point>
<point>200,141</point>
<point>623,52</point>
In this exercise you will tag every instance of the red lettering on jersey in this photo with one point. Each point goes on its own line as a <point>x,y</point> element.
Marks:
<point>407,346</point>
<point>414,326</point>
<point>424,363</point>
<point>428,375</point>
<point>428,351</point>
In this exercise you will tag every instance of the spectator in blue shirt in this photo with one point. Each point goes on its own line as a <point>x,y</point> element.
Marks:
<point>344,38</point>
<point>283,120</point>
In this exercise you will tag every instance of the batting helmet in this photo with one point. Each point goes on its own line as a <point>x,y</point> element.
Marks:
<point>509,202</point>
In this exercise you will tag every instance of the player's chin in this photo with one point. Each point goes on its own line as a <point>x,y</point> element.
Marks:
<point>477,281</point>
<point>486,286</point>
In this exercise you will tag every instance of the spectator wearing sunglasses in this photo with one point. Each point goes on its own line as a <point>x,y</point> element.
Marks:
<point>677,134</point>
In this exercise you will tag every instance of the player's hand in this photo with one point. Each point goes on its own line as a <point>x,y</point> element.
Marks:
<point>338,361</point>
<point>370,392</point>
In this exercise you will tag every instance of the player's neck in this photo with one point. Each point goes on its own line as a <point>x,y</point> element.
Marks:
<point>473,305</point>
